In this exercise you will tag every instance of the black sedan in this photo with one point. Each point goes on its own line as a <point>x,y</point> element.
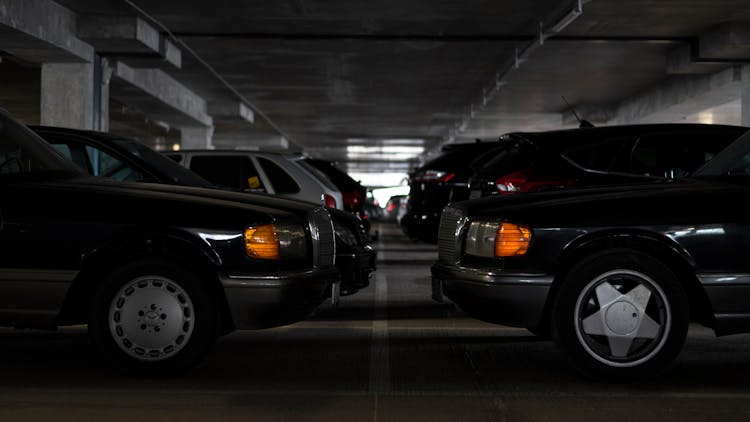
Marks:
<point>614,274</point>
<point>125,159</point>
<point>155,280</point>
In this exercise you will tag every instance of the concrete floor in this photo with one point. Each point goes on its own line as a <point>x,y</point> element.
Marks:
<point>387,353</point>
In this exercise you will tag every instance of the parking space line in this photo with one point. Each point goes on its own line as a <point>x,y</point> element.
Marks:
<point>380,368</point>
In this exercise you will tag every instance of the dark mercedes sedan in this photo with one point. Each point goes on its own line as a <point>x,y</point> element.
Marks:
<point>614,274</point>
<point>125,159</point>
<point>155,280</point>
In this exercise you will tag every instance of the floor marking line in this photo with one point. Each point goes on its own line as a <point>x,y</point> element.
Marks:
<point>380,368</point>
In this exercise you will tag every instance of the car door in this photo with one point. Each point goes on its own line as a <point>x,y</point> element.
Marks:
<point>38,255</point>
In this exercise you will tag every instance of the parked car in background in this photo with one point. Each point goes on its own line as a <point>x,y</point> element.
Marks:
<point>373,210</point>
<point>140,263</point>
<point>614,273</point>
<point>435,184</point>
<point>275,173</point>
<point>535,161</point>
<point>352,192</point>
<point>121,158</point>
<point>395,208</point>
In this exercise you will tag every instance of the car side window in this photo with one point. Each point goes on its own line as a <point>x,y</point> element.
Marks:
<point>604,155</point>
<point>674,154</point>
<point>282,182</point>
<point>105,165</point>
<point>228,171</point>
<point>73,152</point>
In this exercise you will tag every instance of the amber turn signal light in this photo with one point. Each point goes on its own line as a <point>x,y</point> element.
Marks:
<point>262,242</point>
<point>512,240</point>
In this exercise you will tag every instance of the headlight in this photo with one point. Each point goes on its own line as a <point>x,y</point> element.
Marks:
<point>275,241</point>
<point>493,239</point>
<point>344,233</point>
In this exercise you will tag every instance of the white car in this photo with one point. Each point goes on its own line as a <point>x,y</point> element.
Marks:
<point>275,173</point>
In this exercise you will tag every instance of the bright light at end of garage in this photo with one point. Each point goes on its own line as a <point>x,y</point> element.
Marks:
<point>175,147</point>
<point>383,152</point>
<point>383,194</point>
<point>379,180</point>
<point>706,118</point>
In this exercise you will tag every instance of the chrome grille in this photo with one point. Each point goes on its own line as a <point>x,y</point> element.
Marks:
<point>449,235</point>
<point>323,238</point>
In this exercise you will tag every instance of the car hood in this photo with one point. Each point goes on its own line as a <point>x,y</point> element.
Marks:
<point>647,203</point>
<point>186,194</point>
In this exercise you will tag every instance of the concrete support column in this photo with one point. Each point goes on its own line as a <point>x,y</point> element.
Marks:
<point>102,84</point>
<point>76,95</point>
<point>196,137</point>
<point>745,109</point>
<point>68,95</point>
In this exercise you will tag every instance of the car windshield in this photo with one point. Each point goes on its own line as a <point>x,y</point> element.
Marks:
<point>164,164</point>
<point>22,151</point>
<point>734,160</point>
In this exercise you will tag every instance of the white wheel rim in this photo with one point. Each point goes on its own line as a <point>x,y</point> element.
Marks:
<point>151,318</point>
<point>622,318</point>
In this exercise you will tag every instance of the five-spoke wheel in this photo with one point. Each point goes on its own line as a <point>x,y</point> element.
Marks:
<point>620,314</point>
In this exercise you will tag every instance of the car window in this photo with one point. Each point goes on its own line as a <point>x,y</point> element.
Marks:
<point>458,158</point>
<point>159,163</point>
<point>281,181</point>
<point>105,165</point>
<point>72,151</point>
<point>228,171</point>
<point>22,151</point>
<point>513,157</point>
<point>610,154</point>
<point>339,178</point>
<point>674,155</point>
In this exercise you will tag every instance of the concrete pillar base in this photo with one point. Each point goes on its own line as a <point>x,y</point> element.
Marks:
<point>196,137</point>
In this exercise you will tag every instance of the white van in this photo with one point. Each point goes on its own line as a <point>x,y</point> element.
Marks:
<point>275,173</point>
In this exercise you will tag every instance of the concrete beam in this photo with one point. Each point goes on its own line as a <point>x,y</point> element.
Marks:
<point>158,95</point>
<point>231,110</point>
<point>729,41</point>
<point>680,96</point>
<point>251,141</point>
<point>685,60</point>
<point>41,31</point>
<point>130,39</point>
<point>717,49</point>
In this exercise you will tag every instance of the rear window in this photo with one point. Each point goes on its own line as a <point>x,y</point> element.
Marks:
<point>507,159</point>
<point>281,181</point>
<point>338,177</point>
<point>458,158</point>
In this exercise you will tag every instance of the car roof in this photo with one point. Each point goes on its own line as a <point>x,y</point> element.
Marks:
<point>240,151</point>
<point>571,137</point>
<point>86,132</point>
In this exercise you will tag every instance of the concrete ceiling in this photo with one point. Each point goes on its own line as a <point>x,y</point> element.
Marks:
<point>415,73</point>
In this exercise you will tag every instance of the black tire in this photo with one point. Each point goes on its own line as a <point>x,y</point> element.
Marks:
<point>153,317</point>
<point>638,330</point>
